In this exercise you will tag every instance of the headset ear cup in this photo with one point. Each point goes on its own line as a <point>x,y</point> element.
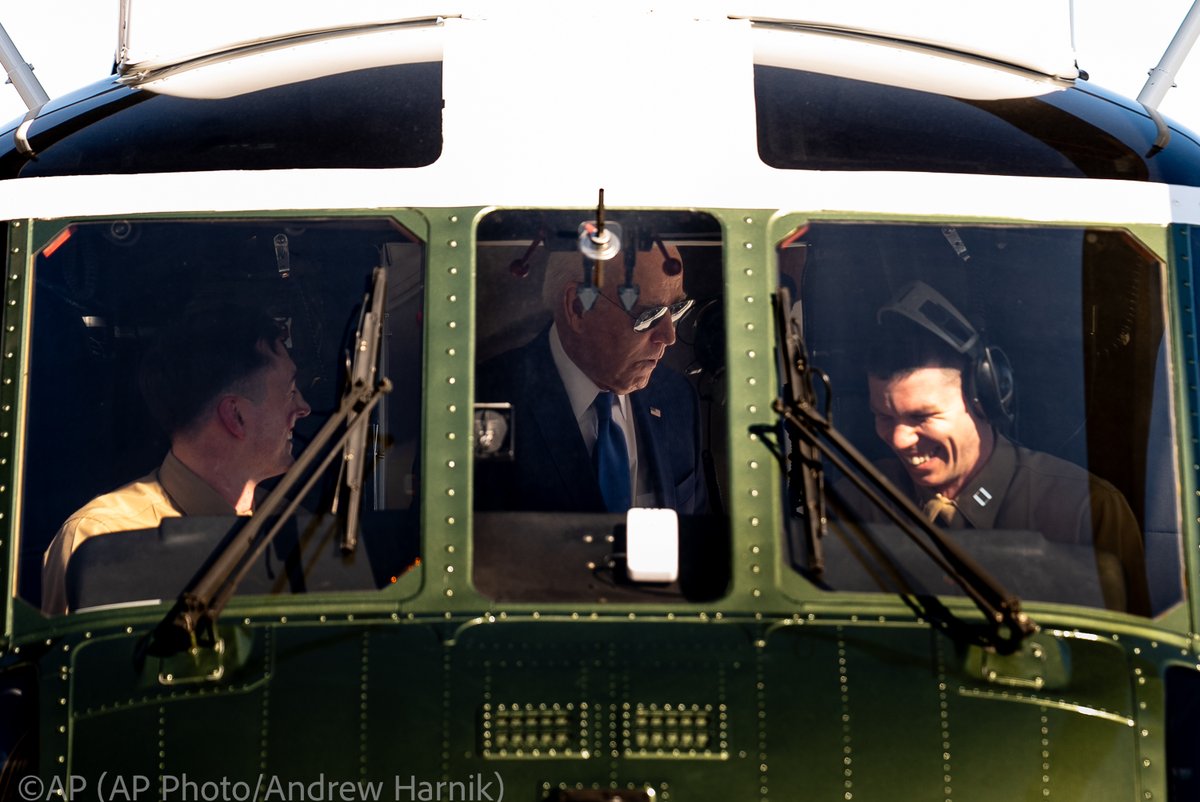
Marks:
<point>994,384</point>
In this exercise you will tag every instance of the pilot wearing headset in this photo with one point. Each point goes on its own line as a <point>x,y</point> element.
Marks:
<point>935,390</point>
<point>599,425</point>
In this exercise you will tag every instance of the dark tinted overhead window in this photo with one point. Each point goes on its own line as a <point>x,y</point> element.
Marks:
<point>810,121</point>
<point>381,117</point>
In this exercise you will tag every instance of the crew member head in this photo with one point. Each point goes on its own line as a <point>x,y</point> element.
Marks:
<point>220,382</point>
<point>615,348</point>
<point>924,410</point>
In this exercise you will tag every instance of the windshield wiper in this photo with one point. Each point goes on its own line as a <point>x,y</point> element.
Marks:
<point>191,623</point>
<point>813,431</point>
<point>806,479</point>
<point>363,366</point>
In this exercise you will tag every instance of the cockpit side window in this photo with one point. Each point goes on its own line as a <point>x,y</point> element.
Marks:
<point>1013,384</point>
<point>598,388</point>
<point>177,370</point>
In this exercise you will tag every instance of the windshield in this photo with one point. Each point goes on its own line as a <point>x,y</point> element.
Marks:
<point>1013,384</point>
<point>177,370</point>
<point>599,387</point>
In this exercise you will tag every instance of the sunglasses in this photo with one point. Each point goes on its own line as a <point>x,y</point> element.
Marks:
<point>647,318</point>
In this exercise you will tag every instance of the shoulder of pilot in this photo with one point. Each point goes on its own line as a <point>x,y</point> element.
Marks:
<point>128,507</point>
<point>1046,468</point>
<point>1049,467</point>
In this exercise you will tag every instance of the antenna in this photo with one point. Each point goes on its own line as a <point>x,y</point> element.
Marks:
<point>20,73</point>
<point>1162,77</point>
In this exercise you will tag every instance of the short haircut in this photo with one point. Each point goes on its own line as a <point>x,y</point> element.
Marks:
<point>563,269</point>
<point>212,349</point>
<point>899,347</point>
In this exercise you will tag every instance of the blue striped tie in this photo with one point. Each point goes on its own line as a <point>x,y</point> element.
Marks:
<point>611,457</point>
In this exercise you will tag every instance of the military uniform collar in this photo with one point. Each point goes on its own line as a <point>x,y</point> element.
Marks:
<point>980,500</point>
<point>190,494</point>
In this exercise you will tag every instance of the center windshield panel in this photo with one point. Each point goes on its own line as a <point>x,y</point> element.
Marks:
<point>599,386</point>
<point>1011,383</point>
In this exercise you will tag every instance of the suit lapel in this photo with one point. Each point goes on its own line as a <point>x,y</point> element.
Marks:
<point>653,431</point>
<point>560,444</point>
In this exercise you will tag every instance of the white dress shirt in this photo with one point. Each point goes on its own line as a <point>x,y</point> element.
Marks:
<point>582,393</point>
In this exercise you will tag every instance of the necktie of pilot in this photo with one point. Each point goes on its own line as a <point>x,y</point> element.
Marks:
<point>611,457</point>
<point>940,510</point>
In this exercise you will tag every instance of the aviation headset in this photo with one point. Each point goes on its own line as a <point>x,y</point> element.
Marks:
<point>989,373</point>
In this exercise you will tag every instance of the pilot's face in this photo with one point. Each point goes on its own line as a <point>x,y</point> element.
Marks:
<point>270,419</point>
<point>926,421</point>
<point>606,346</point>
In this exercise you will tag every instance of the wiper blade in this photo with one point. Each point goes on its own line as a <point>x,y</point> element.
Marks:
<point>363,367</point>
<point>805,475</point>
<point>1008,625</point>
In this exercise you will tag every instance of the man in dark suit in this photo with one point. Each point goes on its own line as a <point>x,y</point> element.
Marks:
<point>599,424</point>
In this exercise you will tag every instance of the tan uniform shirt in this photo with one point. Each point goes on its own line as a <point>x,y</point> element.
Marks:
<point>170,491</point>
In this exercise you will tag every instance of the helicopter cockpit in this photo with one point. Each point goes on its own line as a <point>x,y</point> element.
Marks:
<point>573,311</point>
<point>1059,340</point>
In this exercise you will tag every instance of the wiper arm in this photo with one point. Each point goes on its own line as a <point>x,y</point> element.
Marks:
<point>1008,624</point>
<point>192,620</point>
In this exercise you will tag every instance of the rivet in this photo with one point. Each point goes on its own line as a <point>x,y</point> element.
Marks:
<point>449,491</point>
<point>450,521</point>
